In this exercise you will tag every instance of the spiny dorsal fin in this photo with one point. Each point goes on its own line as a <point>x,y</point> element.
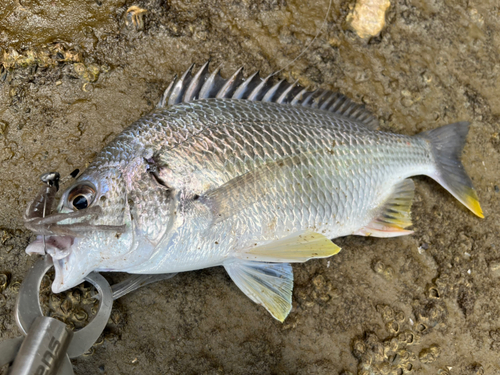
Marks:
<point>267,284</point>
<point>205,85</point>
<point>394,215</point>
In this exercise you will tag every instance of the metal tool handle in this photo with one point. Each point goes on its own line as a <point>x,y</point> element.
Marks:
<point>9,349</point>
<point>48,345</point>
<point>28,307</point>
<point>44,348</point>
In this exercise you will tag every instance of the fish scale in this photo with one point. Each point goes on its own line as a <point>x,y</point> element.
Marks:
<point>250,184</point>
<point>225,137</point>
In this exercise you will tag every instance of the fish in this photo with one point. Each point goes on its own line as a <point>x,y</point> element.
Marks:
<point>244,174</point>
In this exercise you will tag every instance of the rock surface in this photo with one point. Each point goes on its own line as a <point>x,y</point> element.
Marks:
<point>74,74</point>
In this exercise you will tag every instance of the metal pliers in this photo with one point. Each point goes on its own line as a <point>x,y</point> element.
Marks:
<point>48,343</point>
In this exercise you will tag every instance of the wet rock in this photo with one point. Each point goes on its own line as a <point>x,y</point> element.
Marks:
<point>368,17</point>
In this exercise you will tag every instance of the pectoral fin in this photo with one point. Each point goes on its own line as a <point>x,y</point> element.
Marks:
<point>296,248</point>
<point>268,284</point>
<point>243,191</point>
<point>394,215</point>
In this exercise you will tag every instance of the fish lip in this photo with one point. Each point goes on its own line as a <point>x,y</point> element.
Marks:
<point>36,247</point>
<point>66,275</point>
<point>58,285</point>
<point>58,247</point>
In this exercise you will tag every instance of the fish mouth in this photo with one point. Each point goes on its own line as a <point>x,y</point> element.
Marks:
<point>63,279</point>
<point>58,247</point>
<point>57,234</point>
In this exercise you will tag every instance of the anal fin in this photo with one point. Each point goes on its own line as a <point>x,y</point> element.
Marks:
<point>296,248</point>
<point>394,215</point>
<point>267,284</point>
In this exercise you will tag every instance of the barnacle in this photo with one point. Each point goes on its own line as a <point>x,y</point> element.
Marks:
<point>323,291</point>
<point>10,59</point>
<point>430,354</point>
<point>43,56</point>
<point>408,338</point>
<point>495,268</point>
<point>135,16</point>
<point>387,272</point>
<point>430,315</point>
<point>89,73</point>
<point>4,281</point>
<point>377,356</point>
<point>71,307</point>
<point>433,292</point>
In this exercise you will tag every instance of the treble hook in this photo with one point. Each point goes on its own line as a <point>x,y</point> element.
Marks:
<point>41,206</point>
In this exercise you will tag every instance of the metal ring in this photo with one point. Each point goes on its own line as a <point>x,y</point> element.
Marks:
<point>28,306</point>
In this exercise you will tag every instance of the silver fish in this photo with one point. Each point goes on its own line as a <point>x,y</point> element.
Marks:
<point>246,175</point>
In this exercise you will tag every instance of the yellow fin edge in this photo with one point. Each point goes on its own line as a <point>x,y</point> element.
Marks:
<point>471,201</point>
<point>296,248</point>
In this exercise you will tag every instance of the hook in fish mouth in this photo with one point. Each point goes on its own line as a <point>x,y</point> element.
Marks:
<point>58,247</point>
<point>38,217</point>
<point>57,232</point>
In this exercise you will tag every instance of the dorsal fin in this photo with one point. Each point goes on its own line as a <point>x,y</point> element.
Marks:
<point>211,85</point>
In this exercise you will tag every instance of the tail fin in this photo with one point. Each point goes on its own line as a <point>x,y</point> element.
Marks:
<point>447,145</point>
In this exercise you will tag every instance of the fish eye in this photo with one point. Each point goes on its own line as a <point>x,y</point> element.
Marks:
<point>81,196</point>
